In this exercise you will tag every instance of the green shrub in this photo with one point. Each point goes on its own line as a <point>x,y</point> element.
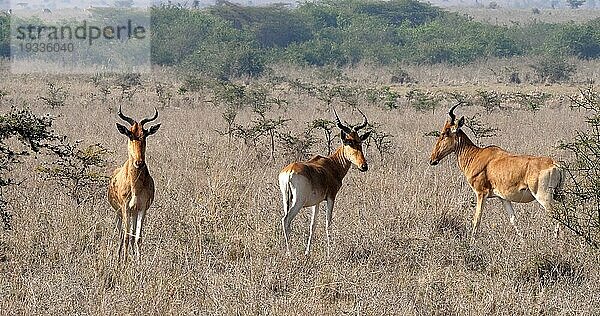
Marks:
<point>273,26</point>
<point>317,52</point>
<point>399,12</point>
<point>454,39</point>
<point>348,32</point>
<point>177,32</point>
<point>479,129</point>
<point>227,53</point>
<point>4,36</point>
<point>318,16</point>
<point>423,100</point>
<point>553,69</point>
<point>582,41</point>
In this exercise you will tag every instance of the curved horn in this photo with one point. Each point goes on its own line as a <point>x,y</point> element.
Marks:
<point>144,121</point>
<point>340,125</point>
<point>451,113</point>
<point>126,118</point>
<point>364,123</point>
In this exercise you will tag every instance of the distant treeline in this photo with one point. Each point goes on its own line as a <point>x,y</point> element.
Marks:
<point>228,40</point>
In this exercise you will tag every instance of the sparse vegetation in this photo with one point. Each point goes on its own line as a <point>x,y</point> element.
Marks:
<point>531,101</point>
<point>214,226</point>
<point>32,133</point>
<point>553,69</point>
<point>78,170</point>
<point>164,95</point>
<point>423,100</point>
<point>579,209</point>
<point>480,129</point>
<point>490,100</point>
<point>213,242</point>
<point>382,141</point>
<point>129,84</point>
<point>56,96</point>
<point>327,127</point>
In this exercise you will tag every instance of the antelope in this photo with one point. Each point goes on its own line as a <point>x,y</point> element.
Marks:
<point>308,183</point>
<point>494,172</point>
<point>131,188</point>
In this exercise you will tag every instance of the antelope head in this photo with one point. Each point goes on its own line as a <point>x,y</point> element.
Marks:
<point>353,141</point>
<point>448,139</point>
<point>136,146</point>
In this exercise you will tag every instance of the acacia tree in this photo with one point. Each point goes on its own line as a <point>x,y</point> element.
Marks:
<point>579,207</point>
<point>33,133</point>
<point>77,169</point>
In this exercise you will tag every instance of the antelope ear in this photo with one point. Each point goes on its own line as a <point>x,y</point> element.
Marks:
<point>343,135</point>
<point>458,125</point>
<point>461,122</point>
<point>365,136</point>
<point>124,130</point>
<point>153,130</point>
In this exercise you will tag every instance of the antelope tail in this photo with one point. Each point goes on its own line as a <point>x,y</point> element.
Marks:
<point>286,191</point>
<point>289,196</point>
<point>556,182</point>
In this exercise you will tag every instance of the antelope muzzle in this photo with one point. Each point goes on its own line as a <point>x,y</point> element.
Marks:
<point>139,164</point>
<point>364,167</point>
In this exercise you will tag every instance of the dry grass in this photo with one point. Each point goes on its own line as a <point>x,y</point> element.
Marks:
<point>213,242</point>
<point>493,73</point>
<point>513,17</point>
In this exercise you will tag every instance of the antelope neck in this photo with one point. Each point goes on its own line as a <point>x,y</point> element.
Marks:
<point>136,173</point>
<point>341,163</point>
<point>465,150</point>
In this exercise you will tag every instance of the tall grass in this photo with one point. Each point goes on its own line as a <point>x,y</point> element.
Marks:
<point>213,242</point>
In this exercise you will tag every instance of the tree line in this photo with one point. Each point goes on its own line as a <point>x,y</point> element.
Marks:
<point>229,40</point>
<point>347,32</point>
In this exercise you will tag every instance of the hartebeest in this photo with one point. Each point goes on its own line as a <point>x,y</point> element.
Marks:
<point>307,184</point>
<point>494,172</point>
<point>131,188</point>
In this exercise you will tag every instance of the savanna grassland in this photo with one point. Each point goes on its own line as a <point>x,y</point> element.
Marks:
<point>213,242</point>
